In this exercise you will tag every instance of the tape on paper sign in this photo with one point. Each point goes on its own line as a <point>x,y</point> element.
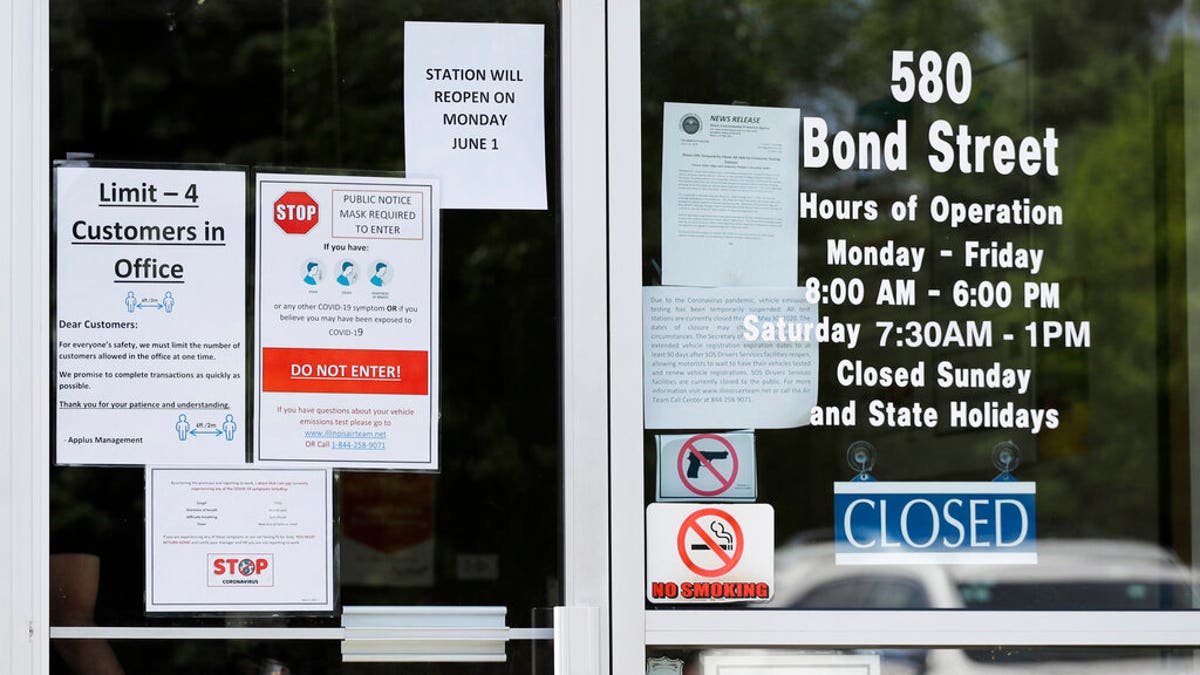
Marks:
<point>884,523</point>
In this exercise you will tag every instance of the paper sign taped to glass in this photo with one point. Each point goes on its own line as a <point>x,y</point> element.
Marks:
<point>730,180</point>
<point>239,540</point>
<point>730,357</point>
<point>150,316</point>
<point>473,112</point>
<point>347,330</point>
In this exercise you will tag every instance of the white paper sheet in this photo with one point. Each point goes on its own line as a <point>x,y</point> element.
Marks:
<point>700,371</point>
<point>730,181</point>
<point>151,316</point>
<point>473,113</point>
<point>348,321</point>
<point>239,540</point>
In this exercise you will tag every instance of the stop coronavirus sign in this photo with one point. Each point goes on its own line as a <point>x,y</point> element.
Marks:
<point>295,212</point>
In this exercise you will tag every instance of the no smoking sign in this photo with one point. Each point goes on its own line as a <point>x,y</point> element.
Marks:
<point>716,467</point>
<point>705,553</point>
<point>710,542</point>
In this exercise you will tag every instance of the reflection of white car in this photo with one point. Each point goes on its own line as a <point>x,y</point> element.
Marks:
<point>1069,575</point>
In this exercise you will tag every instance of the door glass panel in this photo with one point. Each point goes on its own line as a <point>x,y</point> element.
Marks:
<point>319,85</point>
<point>1103,419</point>
<point>868,661</point>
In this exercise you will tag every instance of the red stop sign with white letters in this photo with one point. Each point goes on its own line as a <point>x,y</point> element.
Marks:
<point>295,212</point>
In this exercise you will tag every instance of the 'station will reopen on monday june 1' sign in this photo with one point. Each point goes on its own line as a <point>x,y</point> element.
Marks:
<point>473,112</point>
<point>347,321</point>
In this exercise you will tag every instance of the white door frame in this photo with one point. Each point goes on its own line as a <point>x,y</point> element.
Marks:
<point>24,354</point>
<point>586,520</point>
<point>625,319</point>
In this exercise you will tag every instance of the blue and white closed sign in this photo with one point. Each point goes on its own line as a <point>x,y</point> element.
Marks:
<point>883,523</point>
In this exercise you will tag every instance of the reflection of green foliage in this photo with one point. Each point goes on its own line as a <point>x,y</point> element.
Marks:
<point>1086,53</point>
<point>1122,197</point>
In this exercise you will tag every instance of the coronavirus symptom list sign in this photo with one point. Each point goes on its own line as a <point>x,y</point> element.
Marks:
<point>347,321</point>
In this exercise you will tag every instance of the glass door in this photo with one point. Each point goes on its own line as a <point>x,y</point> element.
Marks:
<point>901,346</point>
<point>451,567</point>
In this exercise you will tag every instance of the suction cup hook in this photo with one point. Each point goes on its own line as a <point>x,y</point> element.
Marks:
<point>861,457</point>
<point>1006,457</point>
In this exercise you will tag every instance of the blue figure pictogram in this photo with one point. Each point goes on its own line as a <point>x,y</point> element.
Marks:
<point>229,426</point>
<point>313,269</point>
<point>182,427</point>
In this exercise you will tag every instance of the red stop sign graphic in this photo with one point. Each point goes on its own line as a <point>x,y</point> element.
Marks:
<point>295,212</point>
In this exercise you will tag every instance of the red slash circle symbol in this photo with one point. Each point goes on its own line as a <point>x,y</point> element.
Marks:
<point>691,447</point>
<point>722,527</point>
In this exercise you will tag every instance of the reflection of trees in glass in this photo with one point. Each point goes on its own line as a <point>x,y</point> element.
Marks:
<point>1123,189</point>
<point>1102,74</point>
